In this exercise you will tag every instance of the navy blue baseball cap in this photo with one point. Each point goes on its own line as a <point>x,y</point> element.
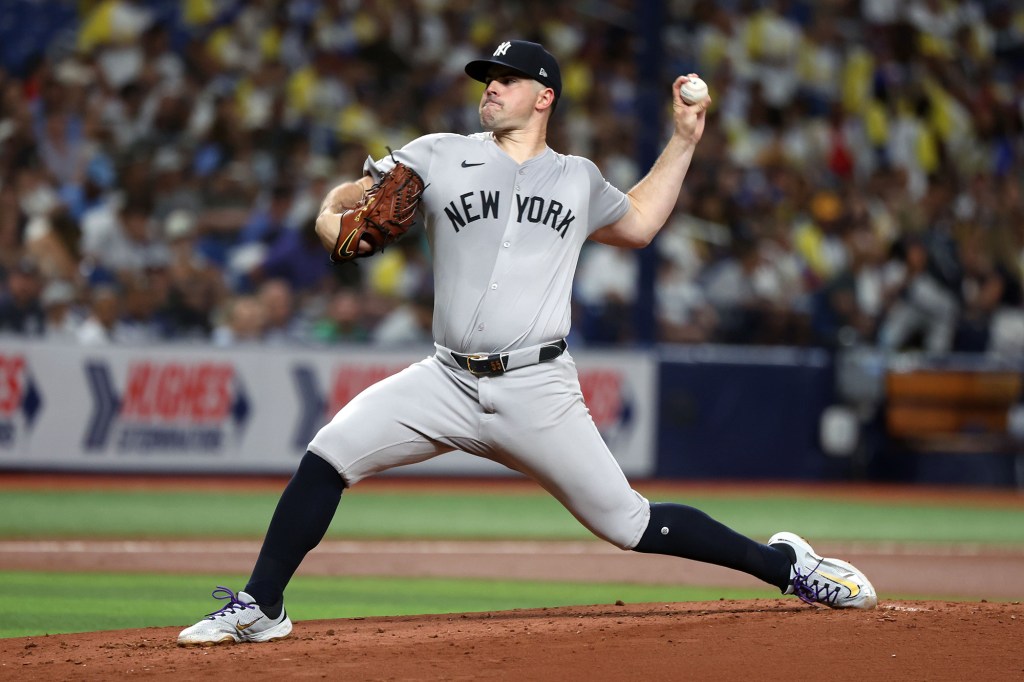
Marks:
<point>530,59</point>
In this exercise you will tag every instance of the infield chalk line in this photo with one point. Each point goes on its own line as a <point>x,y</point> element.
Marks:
<point>499,547</point>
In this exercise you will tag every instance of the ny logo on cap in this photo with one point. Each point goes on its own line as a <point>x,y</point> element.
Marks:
<point>502,49</point>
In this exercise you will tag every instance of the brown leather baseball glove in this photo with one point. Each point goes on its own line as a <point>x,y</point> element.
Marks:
<point>387,213</point>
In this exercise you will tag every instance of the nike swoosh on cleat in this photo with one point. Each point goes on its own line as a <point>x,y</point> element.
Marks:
<point>854,588</point>
<point>242,627</point>
<point>466,164</point>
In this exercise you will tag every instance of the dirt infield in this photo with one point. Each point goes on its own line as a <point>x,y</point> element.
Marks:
<point>729,640</point>
<point>769,639</point>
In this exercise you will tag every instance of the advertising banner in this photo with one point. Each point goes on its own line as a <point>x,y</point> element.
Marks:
<point>185,409</point>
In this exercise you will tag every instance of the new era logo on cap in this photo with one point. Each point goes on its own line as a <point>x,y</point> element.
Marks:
<point>530,59</point>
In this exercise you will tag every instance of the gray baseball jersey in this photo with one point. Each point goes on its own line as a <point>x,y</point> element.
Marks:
<point>505,239</point>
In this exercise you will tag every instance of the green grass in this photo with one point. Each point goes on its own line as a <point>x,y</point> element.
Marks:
<point>38,603</point>
<point>391,515</point>
<point>761,516</point>
<point>53,603</point>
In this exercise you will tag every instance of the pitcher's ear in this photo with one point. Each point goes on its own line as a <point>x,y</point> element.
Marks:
<point>546,98</point>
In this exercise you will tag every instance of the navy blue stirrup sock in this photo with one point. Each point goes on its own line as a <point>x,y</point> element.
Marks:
<point>686,532</point>
<point>300,521</point>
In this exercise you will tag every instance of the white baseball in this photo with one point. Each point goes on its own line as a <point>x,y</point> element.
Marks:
<point>693,90</point>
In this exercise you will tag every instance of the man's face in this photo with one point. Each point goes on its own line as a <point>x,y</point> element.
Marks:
<point>508,100</point>
<point>136,225</point>
<point>23,286</point>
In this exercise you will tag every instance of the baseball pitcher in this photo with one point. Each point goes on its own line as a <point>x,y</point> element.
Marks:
<point>506,217</point>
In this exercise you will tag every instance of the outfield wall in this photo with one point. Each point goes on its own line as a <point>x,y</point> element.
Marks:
<point>245,410</point>
<point>692,412</point>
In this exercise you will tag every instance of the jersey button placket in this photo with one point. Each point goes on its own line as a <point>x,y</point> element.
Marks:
<point>506,241</point>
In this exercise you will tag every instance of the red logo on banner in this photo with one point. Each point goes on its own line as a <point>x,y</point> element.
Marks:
<point>602,391</point>
<point>12,376</point>
<point>351,380</point>
<point>175,391</point>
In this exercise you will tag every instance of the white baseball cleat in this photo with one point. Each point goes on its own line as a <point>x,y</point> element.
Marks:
<point>241,620</point>
<point>818,580</point>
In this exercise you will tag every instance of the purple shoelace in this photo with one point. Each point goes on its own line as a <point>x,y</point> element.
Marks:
<point>818,592</point>
<point>233,603</point>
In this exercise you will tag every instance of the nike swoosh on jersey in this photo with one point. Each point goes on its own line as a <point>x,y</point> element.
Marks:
<point>242,627</point>
<point>467,164</point>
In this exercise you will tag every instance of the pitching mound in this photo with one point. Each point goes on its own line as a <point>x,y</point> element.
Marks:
<point>771,639</point>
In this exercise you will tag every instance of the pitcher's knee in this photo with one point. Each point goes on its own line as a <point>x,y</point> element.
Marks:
<point>622,527</point>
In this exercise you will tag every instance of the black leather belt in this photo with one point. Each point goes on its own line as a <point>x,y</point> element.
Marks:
<point>483,365</point>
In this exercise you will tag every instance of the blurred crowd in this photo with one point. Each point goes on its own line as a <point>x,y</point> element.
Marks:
<point>859,182</point>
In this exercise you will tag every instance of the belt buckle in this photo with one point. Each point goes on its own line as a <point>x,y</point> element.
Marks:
<point>494,364</point>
